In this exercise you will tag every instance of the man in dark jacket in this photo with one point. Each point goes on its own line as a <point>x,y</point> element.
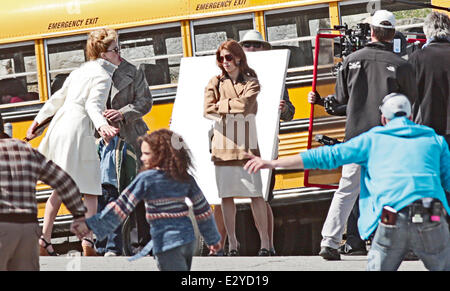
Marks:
<point>365,77</point>
<point>432,68</point>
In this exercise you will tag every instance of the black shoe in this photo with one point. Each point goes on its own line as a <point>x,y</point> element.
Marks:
<point>272,252</point>
<point>329,254</point>
<point>263,252</point>
<point>347,250</point>
<point>233,253</point>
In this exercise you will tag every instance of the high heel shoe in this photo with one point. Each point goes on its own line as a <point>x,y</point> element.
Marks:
<point>43,250</point>
<point>88,251</point>
<point>235,252</point>
<point>263,252</point>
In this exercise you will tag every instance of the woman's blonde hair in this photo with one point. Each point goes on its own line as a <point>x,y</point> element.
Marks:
<point>98,42</point>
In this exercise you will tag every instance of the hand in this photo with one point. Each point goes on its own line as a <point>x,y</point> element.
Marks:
<point>215,248</point>
<point>283,106</point>
<point>256,163</point>
<point>80,228</point>
<point>30,132</point>
<point>313,98</point>
<point>113,115</point>
<point>107,132</point>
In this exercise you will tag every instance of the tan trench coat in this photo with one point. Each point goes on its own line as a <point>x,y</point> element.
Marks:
<point>233,107</point>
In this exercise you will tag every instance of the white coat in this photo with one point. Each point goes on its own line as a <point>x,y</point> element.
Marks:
<point>77,108</point>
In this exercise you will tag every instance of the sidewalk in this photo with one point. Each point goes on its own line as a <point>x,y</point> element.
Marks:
<point>297,263</point>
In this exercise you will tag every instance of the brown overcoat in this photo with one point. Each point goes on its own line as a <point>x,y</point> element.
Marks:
<point>233,107</point>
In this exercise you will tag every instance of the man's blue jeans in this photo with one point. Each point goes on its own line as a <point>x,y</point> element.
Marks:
<point>430,241</point>
<point>113,242</point>
<point>176,259</point>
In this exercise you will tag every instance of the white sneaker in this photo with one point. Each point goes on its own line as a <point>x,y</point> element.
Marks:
<point>110,254</point>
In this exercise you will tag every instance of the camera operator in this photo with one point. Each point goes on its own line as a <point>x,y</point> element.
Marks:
<point>364,78</point>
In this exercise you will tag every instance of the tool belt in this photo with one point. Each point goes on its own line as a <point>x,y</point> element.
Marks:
<point>425,209</point>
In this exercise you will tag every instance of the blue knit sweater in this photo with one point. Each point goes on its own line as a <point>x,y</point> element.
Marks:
<point>167,211</point>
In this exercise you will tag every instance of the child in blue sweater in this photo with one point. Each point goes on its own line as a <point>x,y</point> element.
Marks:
<point>164,183</point>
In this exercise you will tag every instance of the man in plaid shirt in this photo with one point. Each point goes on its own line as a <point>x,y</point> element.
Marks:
<point>21,167</point>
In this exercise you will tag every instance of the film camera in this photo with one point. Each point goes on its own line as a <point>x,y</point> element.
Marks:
<point>353,39</point>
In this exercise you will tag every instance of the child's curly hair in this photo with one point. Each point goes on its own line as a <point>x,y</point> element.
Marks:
<point>170,153</point>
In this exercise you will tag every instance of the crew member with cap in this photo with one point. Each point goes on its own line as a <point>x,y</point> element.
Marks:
<point>365,77</point>
<point>21,167</point>
<point>404,172</point>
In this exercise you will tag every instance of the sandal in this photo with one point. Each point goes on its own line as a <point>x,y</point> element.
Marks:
<point>88,251</point>
<point>43,250</point>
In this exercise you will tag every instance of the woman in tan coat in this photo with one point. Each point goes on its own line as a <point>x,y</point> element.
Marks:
<point>77,112</point>
<point>230,100</point>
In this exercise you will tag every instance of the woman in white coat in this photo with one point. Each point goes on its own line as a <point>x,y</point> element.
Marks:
<point>77,112</point>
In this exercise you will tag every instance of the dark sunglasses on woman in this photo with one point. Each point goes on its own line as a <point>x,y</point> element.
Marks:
<point>228,58</point>
<point>116,50</point>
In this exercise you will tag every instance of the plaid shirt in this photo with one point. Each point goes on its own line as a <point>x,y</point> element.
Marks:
<point>21,167</point>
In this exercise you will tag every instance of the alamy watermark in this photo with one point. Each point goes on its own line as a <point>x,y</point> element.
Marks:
<point>231,131</point>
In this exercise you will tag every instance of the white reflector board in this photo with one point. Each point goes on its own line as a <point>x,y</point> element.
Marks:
<point>188,120</point>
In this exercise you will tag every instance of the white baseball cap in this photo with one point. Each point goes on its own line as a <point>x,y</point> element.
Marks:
<point>255,36</point>
<point>383,15</point>
<point>395,105</point>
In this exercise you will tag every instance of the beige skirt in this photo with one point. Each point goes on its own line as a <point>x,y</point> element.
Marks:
<point>234,181</point>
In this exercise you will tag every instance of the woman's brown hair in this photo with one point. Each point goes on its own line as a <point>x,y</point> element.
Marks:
<point>170,153</point>
<point>236,50</point>
<point>98,42</point>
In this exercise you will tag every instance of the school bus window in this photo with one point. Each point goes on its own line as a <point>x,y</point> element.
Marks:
<point>64,56</point>
<point>296,30</point>
<point>408,18</point>
<point>18,75</point>
<point>156,51</point>
<point>210,33</point>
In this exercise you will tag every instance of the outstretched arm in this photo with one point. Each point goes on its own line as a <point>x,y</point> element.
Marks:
<point>256,163</point>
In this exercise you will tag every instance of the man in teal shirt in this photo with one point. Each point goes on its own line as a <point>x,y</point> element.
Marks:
<point>405,168</point>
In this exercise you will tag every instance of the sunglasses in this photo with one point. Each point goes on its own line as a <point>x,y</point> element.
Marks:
<point>228,58</point>
<point>116,50</point>
<point>252,44</point>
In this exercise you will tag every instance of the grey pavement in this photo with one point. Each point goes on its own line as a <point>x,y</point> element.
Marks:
<point>74,262</point>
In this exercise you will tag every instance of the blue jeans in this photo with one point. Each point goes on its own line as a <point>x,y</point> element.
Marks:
<point>113,242</point>
<point>430,241</point>
<point>176,259</point>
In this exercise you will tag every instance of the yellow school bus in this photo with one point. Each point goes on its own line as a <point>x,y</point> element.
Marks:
<point>41,42</point>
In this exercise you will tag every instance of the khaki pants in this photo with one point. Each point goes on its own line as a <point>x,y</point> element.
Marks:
<point>19,249</point>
